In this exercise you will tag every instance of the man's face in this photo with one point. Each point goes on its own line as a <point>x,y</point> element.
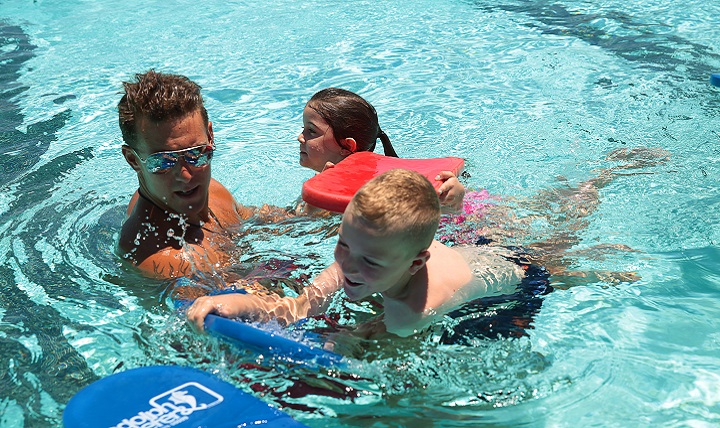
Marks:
<point>183,189</point>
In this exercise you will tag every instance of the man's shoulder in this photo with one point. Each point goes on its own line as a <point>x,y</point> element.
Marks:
<point>137,241</point>
<point>220,197</point>
<point>217,188</point>
<point>129,231</point>
<point>223,204</point>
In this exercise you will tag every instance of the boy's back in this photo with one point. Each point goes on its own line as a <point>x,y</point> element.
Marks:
<point>452,276</point>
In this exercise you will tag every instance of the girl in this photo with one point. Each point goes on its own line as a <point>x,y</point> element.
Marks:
<point>338,123</point>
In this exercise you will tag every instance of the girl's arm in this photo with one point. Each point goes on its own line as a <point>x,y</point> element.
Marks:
<point>451,193</point>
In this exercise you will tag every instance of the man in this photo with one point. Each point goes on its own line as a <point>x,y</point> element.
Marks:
<point>180,220</point>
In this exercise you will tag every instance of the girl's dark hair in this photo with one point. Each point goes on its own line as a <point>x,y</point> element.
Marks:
<point>350,116</point>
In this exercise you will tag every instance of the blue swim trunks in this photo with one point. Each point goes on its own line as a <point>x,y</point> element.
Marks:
<point>509,315</point>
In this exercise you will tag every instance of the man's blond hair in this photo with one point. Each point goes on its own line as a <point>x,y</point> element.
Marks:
<point>399,202</point>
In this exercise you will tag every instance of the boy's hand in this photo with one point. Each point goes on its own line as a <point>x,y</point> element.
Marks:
<point>225,305</point>
<point>451,192</point>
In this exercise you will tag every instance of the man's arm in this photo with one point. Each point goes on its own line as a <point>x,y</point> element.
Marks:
<point>169,262</point>
<point>231,212</point>
<point>172,263</point>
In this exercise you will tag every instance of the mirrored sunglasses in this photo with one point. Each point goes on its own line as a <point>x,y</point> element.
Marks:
<point>162,162</point>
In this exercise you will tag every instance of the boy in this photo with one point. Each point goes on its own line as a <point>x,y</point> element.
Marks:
<point>385,245</point>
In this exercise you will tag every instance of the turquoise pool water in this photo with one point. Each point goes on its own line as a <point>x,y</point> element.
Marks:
<point>534,95</point>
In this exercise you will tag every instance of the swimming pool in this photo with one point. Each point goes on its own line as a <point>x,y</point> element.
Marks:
<point>526,92</point>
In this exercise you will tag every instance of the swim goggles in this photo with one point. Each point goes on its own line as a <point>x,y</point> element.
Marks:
<point>162,162</point>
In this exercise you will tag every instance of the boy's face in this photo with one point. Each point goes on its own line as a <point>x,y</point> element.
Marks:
<point>317,142</point>
<point>183,189</point>
<point>372,263</point>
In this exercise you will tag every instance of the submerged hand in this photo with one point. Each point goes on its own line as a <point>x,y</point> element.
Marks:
<point>373,329</point>
<point>451,192</point>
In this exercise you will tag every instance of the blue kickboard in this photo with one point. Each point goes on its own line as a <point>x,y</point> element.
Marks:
<point>715,79</point>
<point>168,396</point>
<point>264,341</point>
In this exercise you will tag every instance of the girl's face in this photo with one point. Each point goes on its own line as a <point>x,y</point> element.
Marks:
<point>317,142</point>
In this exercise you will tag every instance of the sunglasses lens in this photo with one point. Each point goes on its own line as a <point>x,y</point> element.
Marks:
<point>161,162</point>
<point>198,157</point>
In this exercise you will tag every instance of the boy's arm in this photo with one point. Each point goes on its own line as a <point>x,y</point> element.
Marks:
<point>314,299</point>
<point>317,295</point>
<point>402,321</point>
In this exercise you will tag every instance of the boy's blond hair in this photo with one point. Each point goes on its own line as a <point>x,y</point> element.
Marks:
<point>399,202</point>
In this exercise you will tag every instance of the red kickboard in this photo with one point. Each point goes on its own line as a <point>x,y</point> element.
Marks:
<point>333,188</point>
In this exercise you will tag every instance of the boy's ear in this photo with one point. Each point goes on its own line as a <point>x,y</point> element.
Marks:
<point>349,144</point>
<point>131,158</point>
<point>419,261</point>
